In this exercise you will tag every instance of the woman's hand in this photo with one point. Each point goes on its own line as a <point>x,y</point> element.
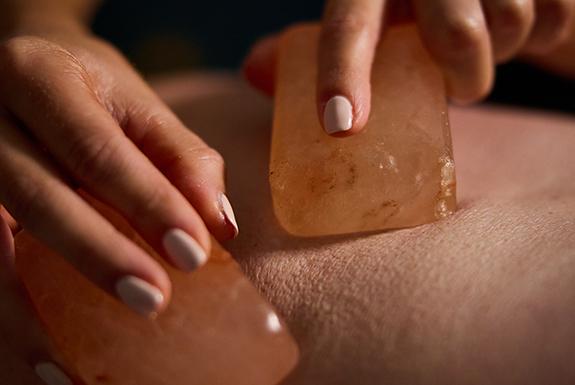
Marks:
<point>466,38</point>
<point>74,114</point>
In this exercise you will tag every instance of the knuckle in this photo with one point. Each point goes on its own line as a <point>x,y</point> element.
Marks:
<point>143,120</point>
<point>18,47</point>
<point>462,35</point>
<point>553,25</point>
<point>153,200</point>
<point>515,14</point>
<point>343,26</point>
<point>24,51</point>
<point>557,12</point>
<point>152,121</point>
<point>207,154</point>
<point>93,159</point>
<point>194,159</point>
<point>14,54</point>
<point>25,56</point>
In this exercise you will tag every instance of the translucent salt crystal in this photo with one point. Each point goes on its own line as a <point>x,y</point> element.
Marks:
<point>398,172</point>
<point>217,329</point>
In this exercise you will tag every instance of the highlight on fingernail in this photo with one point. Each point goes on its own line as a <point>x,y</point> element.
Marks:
<point>337,115</point>
<point>184,251</point>
<point>51,374</point>
<point>228,213</point>
<point>139,295</point>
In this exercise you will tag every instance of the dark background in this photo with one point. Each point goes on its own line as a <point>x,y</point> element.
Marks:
<point>172,35</point>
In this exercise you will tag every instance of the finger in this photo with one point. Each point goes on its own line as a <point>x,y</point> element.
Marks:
<point>9,220</point>
<point>510,22</point>
<point>18,324</point>
<point>553,24</point>
<point>456,34</point>
<point>45,206</point>
<point>193,167</point>
<point>90,145</point>
<point>260,65</point>
<point>349,34</point>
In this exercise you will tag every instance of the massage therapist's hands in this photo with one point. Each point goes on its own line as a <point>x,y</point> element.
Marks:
<point>74,114</point>
<point>466,38</point>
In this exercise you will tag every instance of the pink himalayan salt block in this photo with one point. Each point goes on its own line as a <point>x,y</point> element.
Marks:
<point>217,330</point>
<point>398,172</point>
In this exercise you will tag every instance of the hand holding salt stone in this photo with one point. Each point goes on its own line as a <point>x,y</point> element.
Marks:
<point>216,331</point>
<point>398,172</point>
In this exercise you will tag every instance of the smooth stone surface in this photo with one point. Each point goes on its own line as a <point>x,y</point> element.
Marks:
<point>398,172</point>
<point>218,330</point>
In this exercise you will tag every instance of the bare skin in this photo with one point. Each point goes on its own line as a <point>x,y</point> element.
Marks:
<point>485,296</point>
<point>484,293</point>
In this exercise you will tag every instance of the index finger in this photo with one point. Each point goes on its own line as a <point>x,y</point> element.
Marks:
<point>350,32</point>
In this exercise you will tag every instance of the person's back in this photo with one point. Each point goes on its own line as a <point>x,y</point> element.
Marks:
<point>483,296</point>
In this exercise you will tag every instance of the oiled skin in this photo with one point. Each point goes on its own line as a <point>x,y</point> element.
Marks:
<point>486,296</point>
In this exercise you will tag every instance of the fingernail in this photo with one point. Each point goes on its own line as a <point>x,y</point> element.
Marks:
<point>185,251</point>
<point>139,295</point>
<point>52,374</point>
<point>337,115</point>
<point>229,213</point>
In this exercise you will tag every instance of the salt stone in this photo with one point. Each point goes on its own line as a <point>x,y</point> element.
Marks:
<point>398,172</point>
<point>217,329</point>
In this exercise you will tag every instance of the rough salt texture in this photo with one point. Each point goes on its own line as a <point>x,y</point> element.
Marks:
<point>398,172</point>
<point>217,330</point>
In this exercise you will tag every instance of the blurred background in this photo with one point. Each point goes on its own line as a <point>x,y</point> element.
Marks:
<point>171,35</point>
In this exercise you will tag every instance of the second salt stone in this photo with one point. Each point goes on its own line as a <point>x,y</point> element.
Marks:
<point>398,172</point>
<point>217,330</point>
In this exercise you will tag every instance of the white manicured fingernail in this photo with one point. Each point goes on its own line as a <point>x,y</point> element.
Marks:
<point>229,213</point>
<point>140,296</point>
<point>185,251</point>
<point>52,374</point>
<point>337,115</point>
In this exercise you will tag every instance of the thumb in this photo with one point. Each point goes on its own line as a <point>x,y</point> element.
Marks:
<point>260,65</point>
